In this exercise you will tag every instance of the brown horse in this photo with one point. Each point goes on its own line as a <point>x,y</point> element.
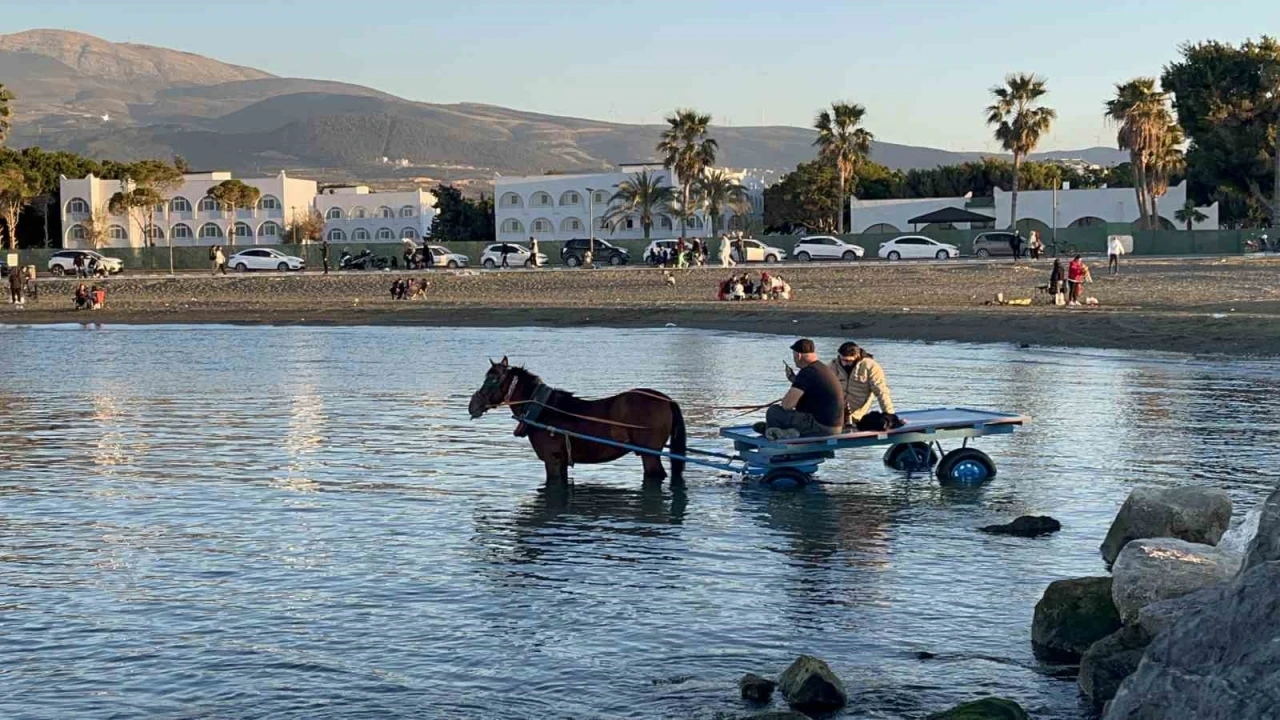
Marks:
<point>640,417</point>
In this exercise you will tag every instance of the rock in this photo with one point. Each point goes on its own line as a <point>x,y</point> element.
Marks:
<point>1025,526</point>
<point>756,688</point>
<point>988,708</point>
<point>1157,617</point>
<point>1238,538</point>
<point>1071,616</point>
<point>1109,661</point>
<point>810,685</point>
<point>1148,571</point>
<point>1220,662</point>
<point>778,715</point>
<point>1265,546</point>
<point>1198,515</point>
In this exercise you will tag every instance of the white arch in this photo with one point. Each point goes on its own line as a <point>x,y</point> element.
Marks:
<point>243,230</point>
<point>512,225</point>
<point>386,233</point>
<point>408,234</point>
<point>360,235</point>
<point>334,213</point>
<point>386,212</point>
<point>510,200</point>
<point>181,231</point>
<point>570,197</point>
<point>208,204</point>
<point>77,206</point>
<point>78,232</point>
<point>117,232</point>
<point>336,235</point>
<point>1087,221</point>
<point>210,230</point>
<point>268,202</point>
<point>570,225</point>
<point>359,212</point>
<point>664,222</point>
<point>407,211</point>
<point>155,232</point>
<point>180,204</point>
<point>542,226</point>
<point>541,199</point>
<point>694,223</point>
<point>269,229</point>
<point>600,197</point>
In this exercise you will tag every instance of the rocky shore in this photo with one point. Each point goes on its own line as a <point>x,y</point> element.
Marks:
<point>1225,305</point>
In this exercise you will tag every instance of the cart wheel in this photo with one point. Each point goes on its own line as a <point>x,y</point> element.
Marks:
<point>785,479</point>
<point>911,457</point>
<point>966,465</point>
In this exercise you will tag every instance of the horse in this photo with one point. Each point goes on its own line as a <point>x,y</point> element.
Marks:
<point>639,417</point>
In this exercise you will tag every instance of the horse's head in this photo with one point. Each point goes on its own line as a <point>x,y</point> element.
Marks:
<point>493,392</point>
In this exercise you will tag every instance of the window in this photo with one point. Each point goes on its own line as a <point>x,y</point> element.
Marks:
<point>116,232</point>
<point>208,204</point>
<point>244,231</point>
<point>269,230</point>
<point>512,225</point>
<point>160,208</point>
<point>601,197</point>
<point>269,202</point>
<point>359,212</point>
<point>409,234</point>
<point>386,212</point>
<point>179,204</point>
<point>256,253</point>
<point>664,222</point>
<point>386,234</point>
<point>180,232</point>
<point>602,223</point>
<point>569,197</point>
<point>629,223</point>
<point>155,233</point>
<point>542,225</point>
<point>695,223</point>
<point>736,223</point>
<point>77,206</point>
<point>209,230</point>
<point>334,213</point>
<point>510,200</point>
<point>360,235</point>
<point>569,225</point>
<point>407,211</point>
<point>540,199</point>
<point>336,235</point>
<point>78,232</point>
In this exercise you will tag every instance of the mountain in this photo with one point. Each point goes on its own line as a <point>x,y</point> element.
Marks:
<point>127,101</point>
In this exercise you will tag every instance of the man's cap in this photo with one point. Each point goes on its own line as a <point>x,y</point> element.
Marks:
<point>804,346</point>
<point>849,348</point>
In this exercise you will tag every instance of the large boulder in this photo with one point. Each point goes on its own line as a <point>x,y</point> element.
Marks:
<point>1220,662</point>
<point>1265,546</point>
<point>755,688</point>
<point>1194,514</point>
<point>1109,661</point>
<point>988,708</point>
<point>1071,616</point>
<point>1159,616</point>
<point>1148,571</point>
<point>809,685</point>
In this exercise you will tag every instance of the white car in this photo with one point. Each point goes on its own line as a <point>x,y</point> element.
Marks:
<point>264,259</point>
<point>756,251</point>
<point>441,256</point>
<point>63,262</point>
<point>517,255</point>
<point>656,247</point>
<point>825,247</point>
<point>917,247</point>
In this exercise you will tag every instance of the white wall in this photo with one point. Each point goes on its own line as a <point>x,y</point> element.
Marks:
<point>411,213</point>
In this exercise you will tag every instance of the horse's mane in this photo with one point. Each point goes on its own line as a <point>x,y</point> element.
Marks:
<point>563,399</point>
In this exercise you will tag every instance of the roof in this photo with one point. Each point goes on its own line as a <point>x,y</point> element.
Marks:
<point>950,215</point>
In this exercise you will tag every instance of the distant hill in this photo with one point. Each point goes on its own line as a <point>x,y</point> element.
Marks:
<point>125,101</point>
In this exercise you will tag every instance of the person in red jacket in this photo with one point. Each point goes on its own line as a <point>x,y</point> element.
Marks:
<point>1077,272</point>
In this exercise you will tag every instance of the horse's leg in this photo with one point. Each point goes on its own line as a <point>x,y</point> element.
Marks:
<point>557,470</point>
<point>653,469</point>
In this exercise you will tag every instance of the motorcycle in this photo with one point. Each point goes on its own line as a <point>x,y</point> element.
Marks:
<point>366,260</point>
<point>1259,244</point>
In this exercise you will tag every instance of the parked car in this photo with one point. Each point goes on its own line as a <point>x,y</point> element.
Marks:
<point>989,244</point>
<point>658,246</point>
<point>517,255</point>
<point>757,251</point>
<point>916,247</point>
<point>63,262</point>
<point>441,256</point>
<point>264,259</point>
<point>572,252</point>
<point>825,247</point>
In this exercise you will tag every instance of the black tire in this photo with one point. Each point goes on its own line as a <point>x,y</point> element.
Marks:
<point>241,267</point>
<point>943,255</point>
<point>802,257</point>
<point>771,258</point>
<point>489,264</point>
<point>57,270</point>
<point>849,256</point>
<point>283,267</point>
<point>983,253</point>
<point>572,261</point>
<point>528,263</point>
<point>911,457</point>
<point>786,479</point>
<point>453,265</point>
<point>967,466</point>
<point>615,260</point>
<point>894,255</point>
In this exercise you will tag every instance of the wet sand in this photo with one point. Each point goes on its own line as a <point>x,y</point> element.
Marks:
<point>1222,305</point>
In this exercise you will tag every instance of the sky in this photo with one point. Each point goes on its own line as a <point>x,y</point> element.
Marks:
<point>922,68</point>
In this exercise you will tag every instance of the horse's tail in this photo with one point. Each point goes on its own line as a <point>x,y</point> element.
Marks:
<point>678,446</point>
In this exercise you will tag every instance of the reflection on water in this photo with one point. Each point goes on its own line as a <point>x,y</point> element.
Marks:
<point>301,522</point>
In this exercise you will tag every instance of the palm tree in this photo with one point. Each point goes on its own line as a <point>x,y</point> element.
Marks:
<point>1190,214</point>
<point>1143,115</point>
<point>6,97</point>
<point>1165,159</point>
<point>843,143</point>
<point>641,195</point>
<point>688,152</point>
<point>1019,122</point>
<point>719,192</point>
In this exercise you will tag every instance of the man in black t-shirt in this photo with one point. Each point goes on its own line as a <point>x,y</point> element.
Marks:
<point>814,405</point>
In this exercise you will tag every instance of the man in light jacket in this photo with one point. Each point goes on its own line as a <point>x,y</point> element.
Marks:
<point>862,378</point>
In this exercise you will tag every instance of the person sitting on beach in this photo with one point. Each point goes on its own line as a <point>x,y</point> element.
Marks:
<point>862,379</point>
<point>82,300</point>
<point>813,405</point>
<point>722,291</point>
<point>420,290</point>
<point>737,292</point>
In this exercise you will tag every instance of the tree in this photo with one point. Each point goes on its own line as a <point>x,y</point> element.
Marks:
<point>1190,214</point>
<point>1227,100</point>
<point>1166,159</point>
<point>230,195</point>
<point>718,192</point>
<point>808,196</point>
<point>643,195</point>
<point>15,191</point>
<point>6,97</point>
<point>688,152</point>
<point>1019,122</point>
<point>844,144</point>
<point>459,219</point>
<point>1142,112</point>
<point>97,226</point>
<point>136,204</point>
<point>307,227</point>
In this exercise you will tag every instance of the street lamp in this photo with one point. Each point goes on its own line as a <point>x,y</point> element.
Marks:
<point>591,222</point>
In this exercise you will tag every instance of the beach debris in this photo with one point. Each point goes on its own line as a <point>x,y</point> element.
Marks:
<point>1091,301</point>
<point>1218,316</point>
<point>671,325</point>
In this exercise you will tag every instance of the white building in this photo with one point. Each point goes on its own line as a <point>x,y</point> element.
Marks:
<point>1075,208</point>
<point>190,217</point>
<point>559,207</point>
<point>353,214</point>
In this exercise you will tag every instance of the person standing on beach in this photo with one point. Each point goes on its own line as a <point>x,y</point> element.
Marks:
<point>505,249</point>
<point>16,280</point>
<point>220,258</point>
<point>324,254</point>
<point>213,259</point>
<point>1076,273</point>
<point>533,248</point>
<point>1115,249</point>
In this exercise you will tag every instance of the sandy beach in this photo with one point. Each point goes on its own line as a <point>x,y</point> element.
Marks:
<point>1220,305</point>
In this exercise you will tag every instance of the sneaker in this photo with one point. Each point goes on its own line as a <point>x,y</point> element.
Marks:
<point>774,434</point>
<point>760,428</point>
<point>790,434</point>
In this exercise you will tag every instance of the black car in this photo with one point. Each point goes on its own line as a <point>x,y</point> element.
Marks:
<point>4,269</point>
<point>573,251</point>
